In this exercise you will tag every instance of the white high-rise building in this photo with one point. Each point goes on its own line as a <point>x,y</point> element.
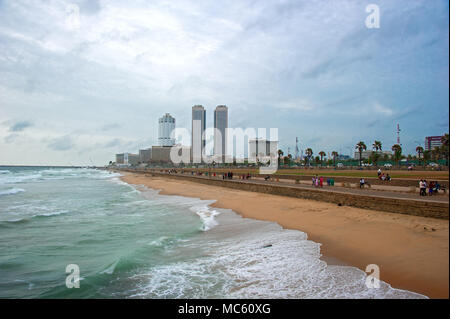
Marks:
<point>165,130</point>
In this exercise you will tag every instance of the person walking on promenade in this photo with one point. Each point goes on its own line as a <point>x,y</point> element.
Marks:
<point>321,181</point>
<point>430,188</point>
<point>379,173</point>
<point>361,183</point>
<point>423,188</point>
<point>317,181</point>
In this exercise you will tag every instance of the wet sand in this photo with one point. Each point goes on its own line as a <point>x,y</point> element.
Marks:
<point>412,252</point>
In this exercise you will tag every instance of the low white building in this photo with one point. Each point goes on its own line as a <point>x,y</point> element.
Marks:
<point>368,153</point>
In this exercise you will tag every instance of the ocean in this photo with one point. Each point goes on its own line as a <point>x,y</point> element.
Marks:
<point>131,242</point>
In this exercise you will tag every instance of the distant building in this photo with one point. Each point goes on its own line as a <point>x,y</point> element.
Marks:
<point>366,154</point>
<point>120,159</point>
<point>131,159</point>
<point>220,126</point>
<point>341,157</point>
<point>165,130</point>
<point>432,141</point>
<point>198,129</point>
<point>161,154</point>
<point>145,155</point>
<point>258,148</point>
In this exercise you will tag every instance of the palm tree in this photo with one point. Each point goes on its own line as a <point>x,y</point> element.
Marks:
<point>361,146</point>
<point>322,154</point>
<point>377,146</point>
<point>419,150</point>
<point>426,156</point>
<point>397,149</point>
<point>435,153</point>
<point>334,154</point>
<point>309,153</point>
<point>289,159</point>
<point>280,153</point>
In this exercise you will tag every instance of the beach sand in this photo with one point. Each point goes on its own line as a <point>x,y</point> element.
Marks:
<point>412,252</point>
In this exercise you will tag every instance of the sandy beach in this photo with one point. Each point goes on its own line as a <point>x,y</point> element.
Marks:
<point>412,252</point>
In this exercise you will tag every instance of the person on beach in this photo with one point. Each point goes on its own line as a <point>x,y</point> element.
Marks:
<point>379,173</point>
<point>421,188</point>
<point>317,181</point>
<point>388,177</point>
<point>430,188</point>
<point>313,181</point>
<point>437,187</point>
<point>424,188</point>
<point>321,181</point>
<point>361,183</point>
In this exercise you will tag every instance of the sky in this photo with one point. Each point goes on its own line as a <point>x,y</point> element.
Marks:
<point>83,80</point>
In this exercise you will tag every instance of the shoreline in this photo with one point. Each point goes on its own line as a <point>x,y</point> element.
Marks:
<point>411,251</point>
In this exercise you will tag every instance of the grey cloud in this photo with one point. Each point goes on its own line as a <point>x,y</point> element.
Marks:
<point>10,138</point>
<point>89,6</point>
<point>20,126</point>
<point>114,142</point>
<point>109,127</point>
<point>333,64</point>
<point>62,143</point>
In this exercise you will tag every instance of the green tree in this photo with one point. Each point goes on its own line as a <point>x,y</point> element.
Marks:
<point>317,159</point>
<point>436,153</point>
<point>375,156</point>
<point>444,148</point>
<point>309,153</point>
<point>397,149</point>
<point>419,150</point>
<point>322,154</point>
<point>335,155</point>
<point>360,146</point>
<point>377,146</point>
<point>426,156</point>
<point>280,153</point>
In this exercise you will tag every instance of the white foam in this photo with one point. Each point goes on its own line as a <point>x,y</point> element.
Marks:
<point>11,191</point>
<point>262,260</point>
<point>12,178</point>
<point>207,216</point>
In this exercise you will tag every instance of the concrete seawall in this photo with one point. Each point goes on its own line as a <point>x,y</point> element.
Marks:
<point>414,207</point>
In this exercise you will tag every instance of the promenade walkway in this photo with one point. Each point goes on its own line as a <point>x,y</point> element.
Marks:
<point>440,198</point>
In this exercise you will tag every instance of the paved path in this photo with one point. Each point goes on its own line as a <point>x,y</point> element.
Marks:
<point>442,198</point>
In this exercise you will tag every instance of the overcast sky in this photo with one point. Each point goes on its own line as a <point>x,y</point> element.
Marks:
<point>76,89</point>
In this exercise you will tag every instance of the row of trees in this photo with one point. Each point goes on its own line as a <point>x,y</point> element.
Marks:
<point>375,156</point>
<point>423,156</point>
<point>435,154</point>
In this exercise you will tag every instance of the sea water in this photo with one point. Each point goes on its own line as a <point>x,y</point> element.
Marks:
<point>131,242</point>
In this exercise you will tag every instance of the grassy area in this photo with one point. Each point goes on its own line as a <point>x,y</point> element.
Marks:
<point>415,174</point>
<point>366,174</point>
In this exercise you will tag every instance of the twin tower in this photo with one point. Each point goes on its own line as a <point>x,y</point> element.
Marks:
<point>198,127</point>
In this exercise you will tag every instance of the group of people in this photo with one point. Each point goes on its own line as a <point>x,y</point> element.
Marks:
<point>433,187</point>
<point>317,181</point>
<point>383,177</point>
<point>228,175</point>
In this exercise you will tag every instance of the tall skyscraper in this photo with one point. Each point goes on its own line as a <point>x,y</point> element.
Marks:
<point>197,134</point>
<point>166,126</point>
<point>220,126</point>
